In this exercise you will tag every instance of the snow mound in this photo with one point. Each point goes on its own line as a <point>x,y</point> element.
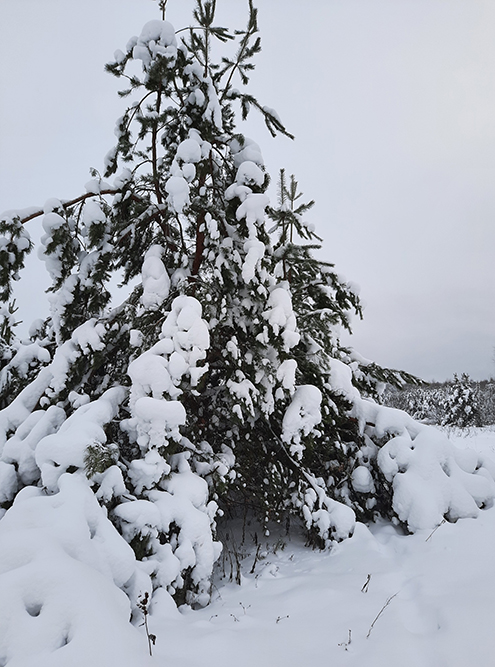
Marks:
<point>62,568</point>
<point>157,38</point>
<point>300,418</point>
<point>156,282</point>
<point>430,478</point>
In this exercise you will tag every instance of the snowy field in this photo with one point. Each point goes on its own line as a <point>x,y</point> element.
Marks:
<point>300,606</point>
<point>379,598</point>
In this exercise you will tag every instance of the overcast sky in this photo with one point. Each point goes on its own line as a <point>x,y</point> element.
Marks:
<point>393,106</point>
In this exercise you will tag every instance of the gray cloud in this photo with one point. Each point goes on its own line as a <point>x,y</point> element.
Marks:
<point>393,107</point>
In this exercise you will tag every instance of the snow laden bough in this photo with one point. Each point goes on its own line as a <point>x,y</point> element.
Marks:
<point>62,561</point>
<point>217,388</point>
<point>427,476</point>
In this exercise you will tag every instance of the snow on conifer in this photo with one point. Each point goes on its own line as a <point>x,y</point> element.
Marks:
<point>218,386</point>
<point>461,405</point>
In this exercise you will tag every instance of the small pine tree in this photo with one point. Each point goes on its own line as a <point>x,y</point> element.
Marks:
<point>220,382</point>
<point>461,403</point>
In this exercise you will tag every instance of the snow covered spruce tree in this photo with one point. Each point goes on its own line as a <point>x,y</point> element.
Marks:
<point>219,384</point>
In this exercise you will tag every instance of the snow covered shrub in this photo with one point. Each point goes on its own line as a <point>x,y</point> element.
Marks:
<point>220,382</point>
<point>440,403</point>
<point>461,403</point>
<point>424,403</point>
<point>486,401</point>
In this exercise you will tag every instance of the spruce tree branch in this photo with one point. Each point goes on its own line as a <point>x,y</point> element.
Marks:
<point>156,179</point>
<point>233,70</point>
<point>158,216</point>
<point>136,109</point>
<point>200,243</point>
<point>71,202</point>
<point>252,29</point>
<point>214,30</point>
<point>207,47</point>
<point>200,229</point>
<point>163,7</point>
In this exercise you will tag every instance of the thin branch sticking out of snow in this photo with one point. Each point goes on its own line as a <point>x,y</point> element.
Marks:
<point>389,600</point>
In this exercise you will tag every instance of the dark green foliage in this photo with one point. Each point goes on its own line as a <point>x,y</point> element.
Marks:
<point>15,244</point>
<point>99,457</point>
<point>188,211</point>
<point>461,405</point>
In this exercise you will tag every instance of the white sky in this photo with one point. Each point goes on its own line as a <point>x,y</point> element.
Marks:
<point>393,106</point>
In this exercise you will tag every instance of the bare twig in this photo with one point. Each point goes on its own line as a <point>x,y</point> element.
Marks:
<point>366,585</point>
<point>163,6</point>
<point>389,600</point>
<point>256,558</point>
<point>347,643</point>
<point>143,606</point>
<point>435,529</point>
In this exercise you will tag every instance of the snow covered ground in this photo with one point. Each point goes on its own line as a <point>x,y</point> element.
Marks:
<point>377,599</point>
<point>301,606</point>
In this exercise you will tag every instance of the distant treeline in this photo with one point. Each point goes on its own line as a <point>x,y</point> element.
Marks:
<point>458,402</point>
